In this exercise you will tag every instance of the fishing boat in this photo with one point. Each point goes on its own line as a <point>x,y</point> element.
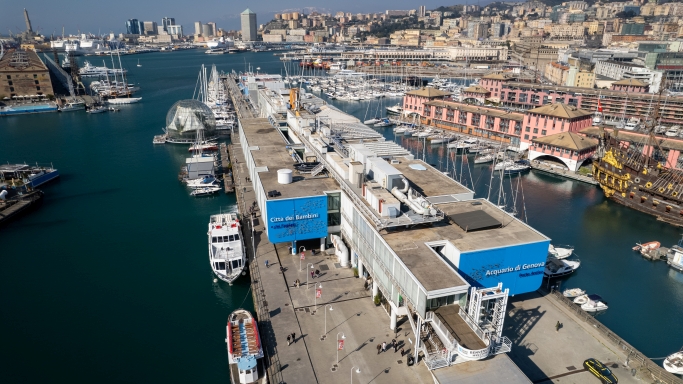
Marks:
<point>674,363</point>
<point>226,247</point>
<point>559,253</point>
<point>595,304</point>
<point>559,268</point>
<point>637,178</point>
<point>205,191</point>
<point>573,292</point>
<point>244,345</point>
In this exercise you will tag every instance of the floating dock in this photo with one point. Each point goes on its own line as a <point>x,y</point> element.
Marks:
<point>14,207</point>
<point>564,173</point>
<point>228,181</point>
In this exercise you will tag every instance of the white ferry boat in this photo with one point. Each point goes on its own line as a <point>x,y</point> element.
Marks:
<point>90,70</point>
<point>226,248</point>
<point>244,345</point>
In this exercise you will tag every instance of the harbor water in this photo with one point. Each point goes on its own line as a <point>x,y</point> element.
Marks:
<point>108,281</point>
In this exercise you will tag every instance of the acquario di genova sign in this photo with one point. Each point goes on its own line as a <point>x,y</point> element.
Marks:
<point>519,267</point>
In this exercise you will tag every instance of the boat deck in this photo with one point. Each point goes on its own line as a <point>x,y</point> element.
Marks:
<point>244,338</point>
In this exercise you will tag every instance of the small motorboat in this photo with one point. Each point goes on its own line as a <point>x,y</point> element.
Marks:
<point>573,292</point>
<point>204,191</point>
<point>99,109</point>
<point>139,65</point>
<point>580,300</point>
<point>646,248</point>
<point>112,109</point>
<point>372,121</point>
<point>558,268</point>
<point>674,363</point>
<point>559,253</point>
<point>594,304</point>
<point>383,123</point>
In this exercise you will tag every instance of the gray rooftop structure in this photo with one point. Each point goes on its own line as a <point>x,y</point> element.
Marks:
<point>270,154</point>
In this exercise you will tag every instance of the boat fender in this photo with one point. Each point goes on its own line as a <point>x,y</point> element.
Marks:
<point>637,180</point>
<point>648,185</point>
<point>674,194</point>
<point>661,190</point>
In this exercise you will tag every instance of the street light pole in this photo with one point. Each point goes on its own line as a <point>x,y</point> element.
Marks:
<point>337,346</point>
<point>357,371</point>
<point>325,310</point>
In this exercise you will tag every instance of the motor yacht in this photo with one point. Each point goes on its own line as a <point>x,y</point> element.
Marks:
<point>72,106</point>
<point>558,268</point>
<point>480,159</point>
<point>206,181</point>
<point>205,191</point>
<point>226,247</point>
<point>594,303</point>
<point>559,253</point>
<point>674,363</point>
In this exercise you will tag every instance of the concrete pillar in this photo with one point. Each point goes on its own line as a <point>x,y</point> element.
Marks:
<point>375,289</point>
<point>360,268</point>
<point>323,242</point>
<point>294,247</point>
<point>417,337</point>
<point>392,325</point>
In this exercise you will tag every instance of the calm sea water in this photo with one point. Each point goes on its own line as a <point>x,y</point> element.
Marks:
<point>108,280</point>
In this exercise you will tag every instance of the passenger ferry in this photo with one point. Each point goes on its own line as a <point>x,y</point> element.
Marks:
<point>244,346</point>
<point>226,248</point>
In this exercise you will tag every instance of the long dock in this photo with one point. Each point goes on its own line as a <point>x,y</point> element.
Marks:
<point>10,210</point>
<point>554,171</point>
<point>226,166</point>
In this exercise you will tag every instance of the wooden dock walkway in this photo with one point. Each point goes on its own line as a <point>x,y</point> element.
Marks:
<point>13,208</point>
<point>226,165</point>
<point>555,171</point>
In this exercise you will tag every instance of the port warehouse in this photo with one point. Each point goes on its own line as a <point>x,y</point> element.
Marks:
<point>430,248</point>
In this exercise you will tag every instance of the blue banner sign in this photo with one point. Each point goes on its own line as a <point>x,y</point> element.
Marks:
<point>296,219</point>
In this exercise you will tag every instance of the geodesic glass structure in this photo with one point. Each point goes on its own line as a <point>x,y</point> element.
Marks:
<point>187,116</point>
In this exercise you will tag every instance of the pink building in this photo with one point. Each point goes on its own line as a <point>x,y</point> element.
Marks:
<point>475,95</point>
<point>551,119</point>
<point>413,101</point>
<point>490,123</point>
<point>570,148</point>
<point>630,86</point>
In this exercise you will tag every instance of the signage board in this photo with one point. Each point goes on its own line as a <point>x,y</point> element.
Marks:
<point>297,219</point>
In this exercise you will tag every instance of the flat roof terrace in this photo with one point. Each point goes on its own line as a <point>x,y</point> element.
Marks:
<point>429,267</point>
<point>268,149</point>
<point>428,181</point>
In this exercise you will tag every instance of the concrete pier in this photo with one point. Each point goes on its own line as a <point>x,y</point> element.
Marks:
<point>228,182</point>
<point>549,356</point>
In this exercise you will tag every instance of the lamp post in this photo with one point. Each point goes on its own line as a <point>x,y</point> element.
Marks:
<point>357,371</point>
<point>331,309</point>
<point>302,256</point>
<point>311,264</point>
<point>337,346</point>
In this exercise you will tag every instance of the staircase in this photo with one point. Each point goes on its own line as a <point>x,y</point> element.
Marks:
<point>318,168</point>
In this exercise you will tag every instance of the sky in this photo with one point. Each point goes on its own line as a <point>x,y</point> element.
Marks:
<point>99,16</point>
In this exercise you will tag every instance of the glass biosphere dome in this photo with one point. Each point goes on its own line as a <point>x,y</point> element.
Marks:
<point>187,116</point>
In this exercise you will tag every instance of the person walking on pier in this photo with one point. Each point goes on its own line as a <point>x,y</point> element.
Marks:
<point>557,326</point>
<point>289,340</point>
<point>293,337</point>
<point>312,274</point>
<point>267,265</point>
<point>384,346</point>
<point>379,348</point>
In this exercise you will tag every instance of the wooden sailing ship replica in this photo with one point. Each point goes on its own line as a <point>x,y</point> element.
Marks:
<point>638,176</point>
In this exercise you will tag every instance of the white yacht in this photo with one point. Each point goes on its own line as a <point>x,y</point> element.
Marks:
<point>90,70</point>
<point>559,253</point>
<point>674,363</point>
<point>226,248</point>
<point>72,106</point>
<point>675,258</point>
<point>594,304</point>
<point>557,268</point>
<point>573,292</point>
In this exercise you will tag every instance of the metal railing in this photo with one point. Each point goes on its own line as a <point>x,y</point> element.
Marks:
<point>633,355</point>
<point>473,325</point>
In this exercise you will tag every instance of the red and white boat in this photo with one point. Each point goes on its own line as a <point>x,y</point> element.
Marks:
<point>647,247</point>
<point>206,147</point>
<point>244,345</point>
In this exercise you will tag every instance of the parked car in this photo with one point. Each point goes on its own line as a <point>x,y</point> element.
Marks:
<point>600,371</point>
